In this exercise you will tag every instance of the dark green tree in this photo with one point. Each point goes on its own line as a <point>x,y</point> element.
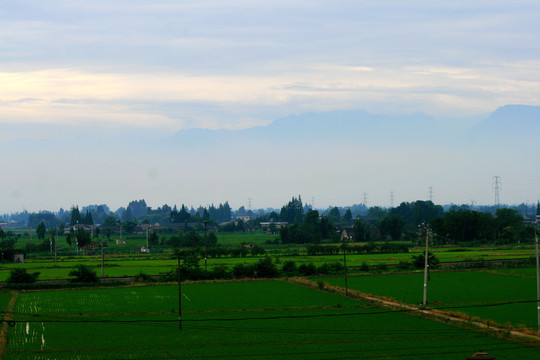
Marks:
<point>153,238</point>
<point>21,276</point>
<point>392,225</point>
<point>313,230</point>
<point>83,274</point>
<point>41,231</point>
<point>265,268</point>
<point>181,216</point>
<point>361,231</point>
<point>348,216</point>
<point>47,217</point>
<point>75,216</point>
<point>129,226</point>
<point>465,226</point>
<point>88,219</point>
<point>419,261</point>
<point>289,268</point>
<point>110,221</point>
<point>509,224</point>
<point>376,214</point>
<point>293,211</point>
<point>83,237</point>
<point>137,209</point>
<point>192,239</point>
<point>335,215</point>
<point>212,239</point>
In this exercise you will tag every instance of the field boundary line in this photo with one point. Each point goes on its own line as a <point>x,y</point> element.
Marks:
<point>5,326</point>
<point>431,314</point>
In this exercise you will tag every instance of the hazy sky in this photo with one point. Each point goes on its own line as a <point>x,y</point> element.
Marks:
<point>170,65</point>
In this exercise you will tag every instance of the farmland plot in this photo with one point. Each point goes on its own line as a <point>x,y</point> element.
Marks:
<point>251,320</point>
<point>471,292</point>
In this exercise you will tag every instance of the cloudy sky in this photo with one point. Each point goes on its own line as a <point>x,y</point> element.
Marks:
<point>162,66</point>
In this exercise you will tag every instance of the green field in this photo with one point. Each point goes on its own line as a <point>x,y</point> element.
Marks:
<point>251,320</point>
<point>133,263</point>
<point>470,292</point>
<point>138,240</point>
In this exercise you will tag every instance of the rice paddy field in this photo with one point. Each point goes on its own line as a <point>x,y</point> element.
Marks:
<point>229,320</point>
<point>504,296</point>
<point>132,262</point>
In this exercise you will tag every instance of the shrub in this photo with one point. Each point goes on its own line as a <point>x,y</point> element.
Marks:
<point>324,269</point>
<point>404,265</point>
<point>289,268</point>
<point>241,271</point>
<point>168,276</point>
<point>381,267</point>
<point>265,268</point>
<point>21,276</point>
<point>364,267</point>
<point>220,272</point>
<point>142,277</point>
<point>419,261</point>
<point>83,274</point>
<point>307,269</point>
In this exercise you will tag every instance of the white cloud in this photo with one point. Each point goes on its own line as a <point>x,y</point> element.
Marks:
<point>138,98</point>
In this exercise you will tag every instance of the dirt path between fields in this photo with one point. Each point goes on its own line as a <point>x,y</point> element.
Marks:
<point>458,319</point>
<point>7,317</point>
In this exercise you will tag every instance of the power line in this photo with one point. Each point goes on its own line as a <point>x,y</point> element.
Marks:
<point>39,318</point>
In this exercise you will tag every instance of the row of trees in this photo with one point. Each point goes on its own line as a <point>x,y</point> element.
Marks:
<point>401,223</point>
<point>506,226</point>
<point>314,229</point>
<point>308,226</point>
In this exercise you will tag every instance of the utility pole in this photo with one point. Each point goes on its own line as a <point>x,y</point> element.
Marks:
<point>430,193</point>
<point>391,199</point>
<point>147,236</point>
<point>426,265</point>
<point>537,268</point>
<point>55,242</point>
<point>179,293</point>
<point>102,259</point>
<point>345,264</point>
<point>205,222</point>
<point>365,197</point>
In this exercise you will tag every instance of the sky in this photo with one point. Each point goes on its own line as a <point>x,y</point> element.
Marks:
<point>156,67</point>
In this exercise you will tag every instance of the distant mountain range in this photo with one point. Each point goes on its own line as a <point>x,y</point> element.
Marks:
<point>334,156</point>
<point>508,123</point>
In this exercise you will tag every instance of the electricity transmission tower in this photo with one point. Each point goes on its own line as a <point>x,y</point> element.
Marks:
<point>497,189</point>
